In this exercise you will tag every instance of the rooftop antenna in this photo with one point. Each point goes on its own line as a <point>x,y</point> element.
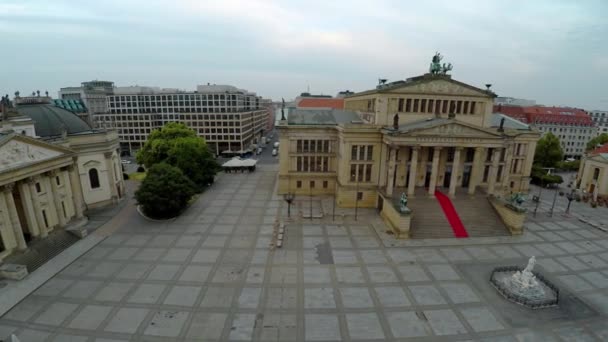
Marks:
<point>382,81</point>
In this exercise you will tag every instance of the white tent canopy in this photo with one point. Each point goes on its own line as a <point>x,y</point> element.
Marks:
<point>238,162</point>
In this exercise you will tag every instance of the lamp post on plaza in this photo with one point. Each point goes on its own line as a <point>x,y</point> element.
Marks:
<point>553,205</point>
<point>289,197</point>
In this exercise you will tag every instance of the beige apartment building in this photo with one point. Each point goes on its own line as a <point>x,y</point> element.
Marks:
<point>592,175</point>
<point>416,136</point>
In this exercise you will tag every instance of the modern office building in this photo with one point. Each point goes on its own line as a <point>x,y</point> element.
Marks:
<point>572,126</point>
<point>600,119</point>
<point>53,167</point>
<point>230,119</point>
<point>92,94</point>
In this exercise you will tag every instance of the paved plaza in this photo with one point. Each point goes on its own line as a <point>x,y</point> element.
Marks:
<point>210,275</point>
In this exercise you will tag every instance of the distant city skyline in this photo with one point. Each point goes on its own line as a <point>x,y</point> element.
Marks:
<point>552,52</point>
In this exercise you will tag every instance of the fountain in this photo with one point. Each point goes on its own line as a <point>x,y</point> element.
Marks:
<point>525,287</point>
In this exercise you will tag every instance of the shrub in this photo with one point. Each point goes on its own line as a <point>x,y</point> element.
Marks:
<point>165,191</point>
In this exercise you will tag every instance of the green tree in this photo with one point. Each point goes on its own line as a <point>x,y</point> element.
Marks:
<point>177,145</point>
<point>548,151</point>
<point>599,140</point>
<point>165,191</point>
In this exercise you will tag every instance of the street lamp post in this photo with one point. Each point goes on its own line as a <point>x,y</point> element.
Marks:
<point>553,205</point>
<point>289,197</point>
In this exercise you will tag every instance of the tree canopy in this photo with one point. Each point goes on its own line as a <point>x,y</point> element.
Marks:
<point>599,140</point>
<point>548,151</point>
<point>177,145</point>
<point>165,191</point>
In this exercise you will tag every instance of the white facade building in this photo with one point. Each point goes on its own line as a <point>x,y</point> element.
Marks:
<point>230,119</point>
<point>93,95</point>
<point>600,119</point>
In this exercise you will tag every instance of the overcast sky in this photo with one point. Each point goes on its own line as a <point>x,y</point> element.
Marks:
<point>554,52</point>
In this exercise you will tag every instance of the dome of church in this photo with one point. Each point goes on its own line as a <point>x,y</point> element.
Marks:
<point>50,120</point>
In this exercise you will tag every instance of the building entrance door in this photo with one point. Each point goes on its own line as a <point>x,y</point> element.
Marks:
<point>447,177</point>
<point>466,176</point>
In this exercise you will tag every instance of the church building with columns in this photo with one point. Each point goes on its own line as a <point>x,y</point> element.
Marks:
<point>53,167</point>
<point>418,136</point>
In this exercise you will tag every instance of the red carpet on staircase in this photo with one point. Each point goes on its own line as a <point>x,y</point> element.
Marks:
<point>451,215</point>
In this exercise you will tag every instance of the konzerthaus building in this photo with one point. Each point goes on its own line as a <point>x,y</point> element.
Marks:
<point>53,167</point>
<point>425,133</point>
<point>230,119</point>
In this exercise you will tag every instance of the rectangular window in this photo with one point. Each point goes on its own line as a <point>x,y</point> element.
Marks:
<point>370,152</point>
<point>305,148</point>
<point>319,164</point>
<point>299,164</point>
<point>472,108</point>
<point>437,106</point>
<point>38,188</point>
<point>458,107</point>
<point>408,105</point>
<point>360,172</point>
<point>299,146</point>
<point>305,164</point>
<point>299,184</point>
<point>499,173</point>
<point>361,153</point>
<point>400,106</point>
<point>313,145</point>
<point>57,180</point>
<point>353,172</point>
<point>312,184</point>
<point>325,164</point>
<point>326,146</point>
<point>416,110</point>
<point>368,172</point>
<point>423,105</point>
<point>444,108</point>
<point>359,196</point>
<point>324,184</point>
<point>431,103</point>
<point>65,214</point>
<point>466,107</point>
<point>353,152</point>
<point>486,171</point>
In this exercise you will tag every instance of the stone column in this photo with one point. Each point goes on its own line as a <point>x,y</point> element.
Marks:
<point>390,184</point>
<point>30,215</point>
<point>413,168</point>
<point>76,188</point>
<point>506,169</point>
<point>476,169</point>
<point>14,217</point>
<point>455,171</point>
<point>111,175</point>
<point>434,169</point>
<point>493,171</point>
<point>52,216</point>
<point>57,199</point>
<point>402,166</point>
<point>36,206</point>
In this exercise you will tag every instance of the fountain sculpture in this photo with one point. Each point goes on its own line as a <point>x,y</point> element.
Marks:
<point>525,287</point>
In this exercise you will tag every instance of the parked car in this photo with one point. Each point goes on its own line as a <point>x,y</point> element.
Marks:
<point>276,144</point>
<point>274,152</point>
<point>124,161</point>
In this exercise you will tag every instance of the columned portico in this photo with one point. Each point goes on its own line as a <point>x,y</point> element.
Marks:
<point>76,190</point>
<point>390,182</point>
<point>31,182</point>
<point>434,170</point>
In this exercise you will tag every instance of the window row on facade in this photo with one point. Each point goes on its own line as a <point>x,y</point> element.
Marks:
<point>362,152</point>
<point>312,184</point>
<point>313,146</point>
<point>312,164</point>
<point>436,106</point>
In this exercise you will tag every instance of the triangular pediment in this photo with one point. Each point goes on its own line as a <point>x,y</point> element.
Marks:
<point>17,151</point>
<point>446,128</point>
<point>440,86</point>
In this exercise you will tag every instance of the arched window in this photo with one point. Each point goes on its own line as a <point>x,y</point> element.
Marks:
<point>94,178</point>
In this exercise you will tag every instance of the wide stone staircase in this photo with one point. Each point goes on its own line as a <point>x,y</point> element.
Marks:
<point>40,251</point>
<point>429,221</point>
<point>478,216</point>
